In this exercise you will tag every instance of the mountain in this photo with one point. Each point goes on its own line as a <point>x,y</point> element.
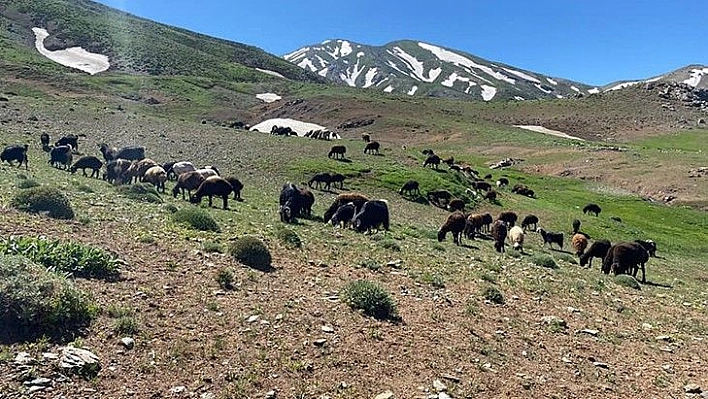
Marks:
<point>417,68</point>
<point>695,76</point>
<point>132,45</point>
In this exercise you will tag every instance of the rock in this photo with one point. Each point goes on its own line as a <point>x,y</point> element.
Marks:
<point>320,342</point>
<point>692,388</point>
<point>270,394</point>
<point>590,332</point>
<point>601,365</point>
<point>327,329</point>
<point>35,388</point>
<point>207,395</point>
<point>665,338</point>
<point>553,320</point>
<point>80,361</point>
<point>127,342</point>
<point>384,395</point>
<point>647,326</point>
<point>451,377</point>
<point>178,389</point>
<point>50,356</point>
<point>439,386</point>
<point>39,382</point>
<point>252,319</point>
<point>23,358</point>
<point>443,395</point>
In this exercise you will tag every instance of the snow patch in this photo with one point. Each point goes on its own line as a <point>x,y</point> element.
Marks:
<point>575,89</point>
<point>417,68</point>
<point>360,54</point>
<point>623,85</point>
<point>296,54</point>
<point>551,81</point>
<point>271,73</point>
<point>323,63</point>
<point>450,81</point>
<point>352,73</point>
<point>298,127</point>
<point>388,89</point>
<point>454,58</point>
<point>522,75</point>
<point>519,98</point>
<point>696,76</point>
<point>594,90</point>
<point>323,72</point>
<point>412,90</point>
<point>540,87</point>
<point>73,57</point>
<point>345,49</point>
<point>488,92</point>
<point>369,77</point>
<point>268,97</point>
<point>306,63</point>
<point>541,129</point>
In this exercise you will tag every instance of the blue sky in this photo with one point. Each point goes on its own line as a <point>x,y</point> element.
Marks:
<point>590,41</point>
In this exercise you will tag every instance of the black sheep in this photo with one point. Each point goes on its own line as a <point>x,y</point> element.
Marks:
<point>358,199</point>
<point>307,200</point>
<point>337,181</point>
<point>15,153</point>
<point>61,155</point>
<point>213,186</point>
<point>72,140</point>
<point>433,161</point>
<point>502,182</point>
<point>626,258</point>
<point>372,147</point>
<point>439,198</point>
<point>576,226</point>
<point>487,220</point>
<point>319,179</point>
<point>509,217</point>
<point>490,195</point>
<point>410,187</point>
<point>373,214</point>
<point>649,245</point>
<point>454,224</point>
<point>44,139</point>
<point>87,162</point>
<point>344,215</point>
<point>592,208</point>
<point>551,238</point>
<point>337,151</point>
<point>169,169</point>
<point>499,232</point>
<point>528,221</point>
<point>236,186</point>
<point>481,185</point>
<point>597,249</point>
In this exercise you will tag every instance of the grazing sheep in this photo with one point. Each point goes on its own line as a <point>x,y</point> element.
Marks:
<point>449,161</point>
<point>502,182</point>
<point>528,221</point>
<point>319,179</point>
<point>473,225</point>
<point>133,153</point>
<point>488,176</point>
<point>551,238</point>
<point>308,199</point>
<point>509,217</point>
<point>72,140</point>
<point>579,242</point>
<point>337,151</point>
<point>44,139</point>
<point>409,188</point>
<point>156,176</point>
<point>214,168</point>
<point>373,214</point>
<point>15,153</point>
<point>187,182</point>
<point>454,224</point>
<point>291,202</point>
<point>342,199</point>
<point>116,171</point>
<point>439,198</point>
<point>87,162</point>
<point>487,220</point>
<point>138,168</point>
<point>649,245</point>
<point>372,147</point>
<point>598,249</point>
<point>61,155</point>
<point>181,167</point>
<point>592,208</point>
<point>516,235</point>
<point>213,186</point>
<point>433,161</point>
<point>523,190</point>
<point>168,167</point>
<point>236,186</point>
<point>456,204</point>
<point>366,137</point>
<point>499,232</point>
<point>491,195</point>
<point>207,172</point>
<point>344,215</point>
<point>481,185</point>
<point>626,258</point>
<point>337,181</point>
<point>576,226</point>
<point>109,153</point>
<point>427,152</point>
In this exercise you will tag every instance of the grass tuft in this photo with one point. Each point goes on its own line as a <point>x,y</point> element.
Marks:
<point>140,192</point>
<point>493,295</point>
<point>544,261</point>
<point>196,218</point>
<point>225,277</point>
<point>45,200</point>
<point>251,252</point>
<point>626,280</point>
<point>288,237</point>
<point>370,298</point>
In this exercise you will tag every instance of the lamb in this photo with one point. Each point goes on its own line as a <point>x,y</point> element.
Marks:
<point>598,249</point>
<point>579,242</point>
<point>499,232</point>
<point>337,151</point>
<point>439,198</point>
<point>15,153</point>
<point>72,140</point>
<point>213,186</point>
<point>456,204</point>
<point>61,155</point>
<point>487,220</point>
<point>509,217</point>
<point>116,171</point>
<point>626,258</point>
<point>576,226</point>
<point>592,208</point>
<point>528,221</point>
<point>372,147</point>
<point>516,235</point>
<point>342,199</point>
<point>502,182</point>
<point>551,238</point>
<point>373,214</point>
<point>319,179</point>
<point>473,225</point>
<point>236,186</point>
<point>454,224</point>
<point>432,160</point>
<point>410,187</point>
<point>87,162</point>
<point>337,181</point>
<point>187,181</point>
<point>649,245</point>
<point>344,215</point>
<point>138,168</point>
<point>156,176</point>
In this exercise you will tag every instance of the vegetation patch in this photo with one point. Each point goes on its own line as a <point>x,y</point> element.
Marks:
<point>140,192</point>
<point>226,279</point>
<point>288,237</point>
<point>27,183</point>
<point>212,247</point>
<point>492,294</point>
<point>45,200</point>
<point>370,298</point>
<point>196,218</point>
<point>544,261</point>
<point>626,280</point>
<point>251,252</point>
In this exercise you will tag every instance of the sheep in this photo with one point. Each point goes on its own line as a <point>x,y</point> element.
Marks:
<point>308,199</point>
<point>427,152</point>
<point>61,155</point>
<point>528,221</point>
<point>473,225</point>
<point>454,224</point>
<point>291,202</point>
<point>372,147</point>
<point>109,153</point>
<point>449,161</point>
<point>44,139</point>
<point>207,172</point>
<point>337,180</point>
<point>116,171</point>
<point>626,258</point>
<point>187,181</point>
<point>551,238</point>
<point>337,151</point>
<point>15,153</point>
<point>210,187</point>
<point>502,182</point>
<point>598,249</point>
<point>342,199</point>
<point>456,204</point>
<point>576,226</point>
<point>180,167</point>
<point>509,217</point>
<point>499,232</point>
<point>579,242</point>
<point>481,185</point>
<point>214,168</point>
<point>87,162</point>
<point>72,140</point>
<point>516,235</point>
<point>366,137</point>
<point>156,176</point>
<point>138,168</point>
<point>488,176</point>
<point>592,208</point>
<point>236,186</point>
<point>491,195</point>
<point>133,153</point>
<point>433,161</point>
<point>169,169</point>
<point>344,215</point>
<point>523,190</point>
<point>410,187</point>
<point>373,214</point>
<point>649,245</point>
<point>439,198</point>
<point>319,179</point>
<point>487,220</point>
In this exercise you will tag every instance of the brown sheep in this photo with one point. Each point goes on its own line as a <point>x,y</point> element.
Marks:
<point>598,249</point>
<point>213,186</point>
<point>372,147</point>
<point>499,232</point>
<point>157,177</point>
<point>343,199</point>
<point>456,204</point>
<point>138,168</point>
<point>626,258</point>
<point>509,217</point>
<point>187,181</point>
<point>337,151</point>
<point>474,225</point>
<point>487,220</point>
<point>579,243</point>
<point>455,224</point>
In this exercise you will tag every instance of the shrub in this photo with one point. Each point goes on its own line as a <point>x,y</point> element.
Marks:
<point>251,252</point>
<point>434,279</point>
<point>493,295</point>
<point>196,218</point>
<point>370,264</point>
<point>288,237</point>
<point>544,261</point>
<point>35,302</point>
<point>626,280</point>
<point>43,199</point>
<point>225,278</point>
<point>212,247</point>
<point>567,258</point>
<point>140,192</point>
<point>390,244</point>
<point>27,183</point>
<point>126,325</point>
<point>371,298</point>
<point>171,208</point>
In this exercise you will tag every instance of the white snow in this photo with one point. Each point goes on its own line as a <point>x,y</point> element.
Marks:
<point>696,76</point>
<point>268,97</point>
<point>522,75</point>
<point>345,49</point>
<point>575,89</point>
<point>654,79</point>
<point>306,63</point>
<point>323,63</point>
<point>369,77</point>
<point>454,58</point>
<point>412,90</point>
<point>623,85</point>
<point>450,81</point>
<point>519,98</point>
<point>538,86</point>
<point>416,66</point>
<point>352,73</point>
<point>272,73</point>
<point>488,92</point>
<point>388,89</point>
<point>594,90</point>
<point>296,54</point>
<point>551,81</point>
<point>382,81</point>
<point>73,57</point>
<point>360,54</point>
<point>326,41</point>
<point>299,127</point>
<point>541,129</point>
<point>559,96</point>
<point>323,72</point>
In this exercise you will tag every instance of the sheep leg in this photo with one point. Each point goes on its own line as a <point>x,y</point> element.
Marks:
<point>210,200</point>
<point>226,201</point>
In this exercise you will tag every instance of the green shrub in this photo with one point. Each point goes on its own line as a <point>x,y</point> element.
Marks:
<point>140,192</point>
<point>171,208</point>
<point>44,199</point>
<point>493,295</point>
<point>225,278</point>
<point>251,252</point>
<point>69,257</point>
<point>544,261</point>
<point>434,279</point>
<point>126,325</point>
<point>370,264</point>
<point>567,258</point>
<point>212,247</point>
<point>391,245</point>
<point>35,302</point>
<point>371,298</point>
<point>27,183</point>
<point>626,280</point>
<point>196,218</point>
<point>288,237</point>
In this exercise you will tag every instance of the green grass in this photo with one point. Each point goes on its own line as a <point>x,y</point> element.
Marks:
<point>370,298</point>
<point>196,218</point>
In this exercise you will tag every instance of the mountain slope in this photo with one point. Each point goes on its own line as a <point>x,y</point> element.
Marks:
<point>695,76</point>
<point>136,45</point>
<point>417,68</point>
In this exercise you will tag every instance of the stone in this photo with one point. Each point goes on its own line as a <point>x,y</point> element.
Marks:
<point>178,389</point>
<point>39,382</point>
<point>665,338</point>
<point>320,342</point>
<point>553,320</point>
<point>23,358</point>
<point>127,342</point>
<point>439,386</point>
<point>252,319</point>
<point>79,361</point>
<point>647,326</point>
<point>601,365</point>
<point>327,329</point>
<point>50,356</point>
<point>270,394</point>
<point>35,388</point>
<point>451,377</point>
<point>692,388</point>
<point>589,332</point>
<point>207,395</point>
<point>443,395</point>
<point>384,395</point>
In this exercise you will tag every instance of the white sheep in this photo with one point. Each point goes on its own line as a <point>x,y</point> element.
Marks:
<point>207,172</point>
<point>182,167</point>
<point>516,235</point>
<point>156,175</point>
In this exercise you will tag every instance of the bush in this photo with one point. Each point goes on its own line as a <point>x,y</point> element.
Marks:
<point>225,278</point>
<point>70,257</point>
<point>493,295</point>
<point>43,199</point>
<point>544,261</point>
<point>212,247</point>
<point>391,245</point>
<point>27,183</point>
<point>626,280</point>
<point>196,218</point>
<point>35,302</point>
<point>371,298</point>
<point>251,252</point>
<point>126,325</point>
<point>288,237</point>
<point>140,192</point>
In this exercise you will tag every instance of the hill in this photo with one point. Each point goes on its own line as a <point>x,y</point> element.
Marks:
<point>691,75</point>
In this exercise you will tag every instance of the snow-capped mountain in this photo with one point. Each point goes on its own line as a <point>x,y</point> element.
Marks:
<point>695,76</point>
<point>417,68</point>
